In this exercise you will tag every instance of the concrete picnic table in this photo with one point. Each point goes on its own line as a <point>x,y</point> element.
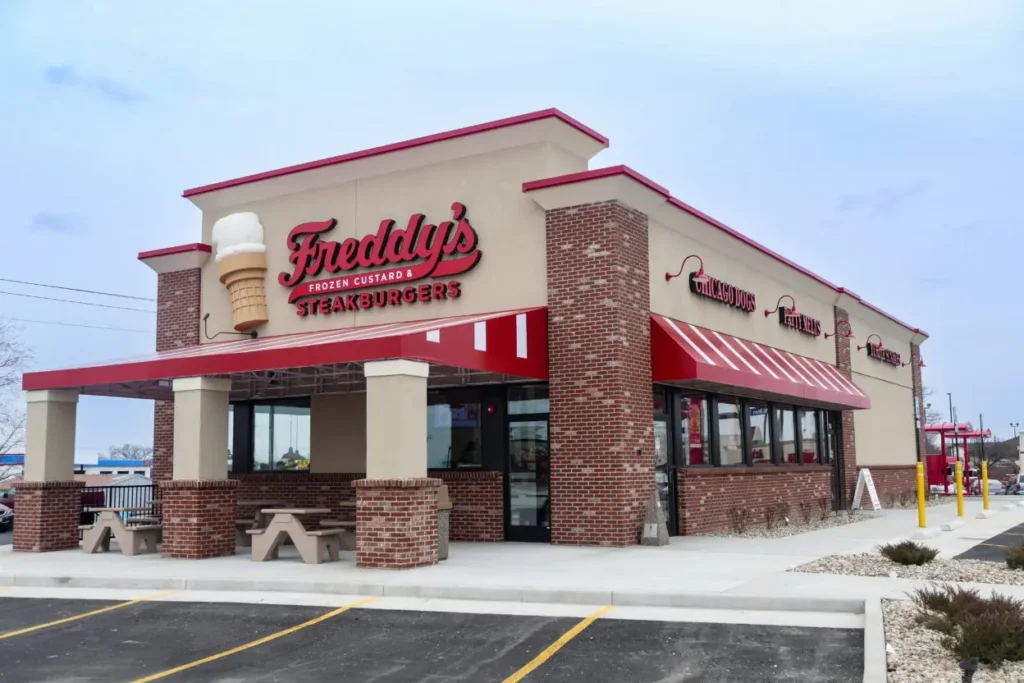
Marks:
<point>260,519</point>
<point>129,538</point>
<point>286,523</point>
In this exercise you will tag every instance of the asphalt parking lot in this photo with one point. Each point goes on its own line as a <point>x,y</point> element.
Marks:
<point>141,641</point>
<point>994,549</point>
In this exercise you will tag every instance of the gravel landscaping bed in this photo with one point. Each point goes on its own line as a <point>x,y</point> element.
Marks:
<point>871,564</point>
<point>783,529</point>
<point>915,653</point>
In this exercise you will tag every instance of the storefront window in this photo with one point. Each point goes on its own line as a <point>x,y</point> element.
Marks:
<point>760,433</point>
<point>786,421</point>
<point>828,421</point>
<point>231,437</point>
<point>730,434</point>
<point>695,430</point>
<point>453,434</point>
<point>280,438</point>
<point>660,406</point>
<point>809,435</point>
<point>528,400</point>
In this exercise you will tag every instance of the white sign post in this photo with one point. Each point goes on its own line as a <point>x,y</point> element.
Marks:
<point>864,480</point>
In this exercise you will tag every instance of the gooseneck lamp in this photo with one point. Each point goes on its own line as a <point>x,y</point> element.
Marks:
<point>791,313</point>
<point>699,277</point>
<point>849,330</point>
<point>880,346</point>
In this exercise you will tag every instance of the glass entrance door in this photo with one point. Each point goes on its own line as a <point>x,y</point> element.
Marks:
<point>664,472</point>
<point>528,473</point>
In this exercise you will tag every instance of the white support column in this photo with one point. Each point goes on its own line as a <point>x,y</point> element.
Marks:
<point>50,418</point>
<point>201,428</point>
<point>396,419</point>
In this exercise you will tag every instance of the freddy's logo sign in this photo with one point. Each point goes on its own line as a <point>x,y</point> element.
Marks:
<point>391,256</point>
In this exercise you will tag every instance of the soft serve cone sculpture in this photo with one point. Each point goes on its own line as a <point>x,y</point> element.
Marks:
<point>242,263</point>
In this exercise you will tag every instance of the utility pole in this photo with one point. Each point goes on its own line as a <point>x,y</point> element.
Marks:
<point>981,428</point>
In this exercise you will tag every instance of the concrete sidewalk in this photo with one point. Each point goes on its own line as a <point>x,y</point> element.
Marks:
<point>693,571</point>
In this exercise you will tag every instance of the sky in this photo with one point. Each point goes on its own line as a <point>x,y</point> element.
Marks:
<point>878,144</point>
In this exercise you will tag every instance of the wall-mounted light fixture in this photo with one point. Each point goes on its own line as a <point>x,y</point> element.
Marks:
<point>790,313</point>
<point>849,330</point>
<point>920,363</point>
<point>880,346</point>
<point>700,276</point>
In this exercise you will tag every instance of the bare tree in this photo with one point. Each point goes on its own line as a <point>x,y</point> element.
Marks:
<point>130,451</point>
<point>931,415</point>
<point>13,358</point>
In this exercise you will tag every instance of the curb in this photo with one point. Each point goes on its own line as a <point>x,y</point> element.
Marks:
<point>876,666</point>
<point>721,601</point>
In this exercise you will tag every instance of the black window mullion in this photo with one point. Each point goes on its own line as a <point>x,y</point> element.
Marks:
<point>745,440</point>
<point>713,441</point>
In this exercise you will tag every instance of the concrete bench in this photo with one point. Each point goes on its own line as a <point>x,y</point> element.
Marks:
<point>311,544</point>
<point>347,529</point>
<point>242,527</point>
<point>134,537</point>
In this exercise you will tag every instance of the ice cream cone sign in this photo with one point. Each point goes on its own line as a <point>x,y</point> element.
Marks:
<point>241,258</point>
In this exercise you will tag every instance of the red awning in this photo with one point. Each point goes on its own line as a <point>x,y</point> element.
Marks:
<point>681,352</point>
<point>507,342</point>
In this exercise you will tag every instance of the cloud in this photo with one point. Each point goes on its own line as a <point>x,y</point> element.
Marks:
<point>878,203</point>
<point>107,88</point>
<point>57,223</point>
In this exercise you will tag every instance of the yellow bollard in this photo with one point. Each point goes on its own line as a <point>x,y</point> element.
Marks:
<point>984,484</point>
<point>959,489</point>
<point>920,495</point>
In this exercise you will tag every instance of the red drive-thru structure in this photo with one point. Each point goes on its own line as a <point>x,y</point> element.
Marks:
<point>941,467</point>
<point>480,308</point>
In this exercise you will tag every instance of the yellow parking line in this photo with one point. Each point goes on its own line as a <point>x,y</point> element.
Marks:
<point>261,641</point>
<point>557,645</point>
<point>65,620</point>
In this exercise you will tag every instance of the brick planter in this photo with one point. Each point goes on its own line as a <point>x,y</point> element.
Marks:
<point>198,518</point>
<point>477,504</point>
<point>47,516</point>
<point>396,523</point>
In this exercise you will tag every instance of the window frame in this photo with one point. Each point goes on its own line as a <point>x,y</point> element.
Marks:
<point>243,451</point>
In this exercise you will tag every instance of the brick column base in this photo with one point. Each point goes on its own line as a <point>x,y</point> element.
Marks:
<point>47,516</point>
<point>396,523</point>
<point>198,518</point>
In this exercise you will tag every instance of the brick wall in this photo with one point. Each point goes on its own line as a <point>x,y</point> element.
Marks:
<point>298,489</point>
<point>47,516</point>
<point>599,362</point>
<point>915,369</point>
<point>893,483</point>
<point>198,518</point>
<point>177,326</point>
<point>477,505</point>
<point>847,455</point>
<point>396,523</point>
<point>707,496</point>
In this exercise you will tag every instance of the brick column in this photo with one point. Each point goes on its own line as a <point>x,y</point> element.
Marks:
<point>47,516</point>
<point>915,369</point>
<point>177,326</point>
<point>396,523</point>
<point>847,433</point>
<point>198,518</point>
<point>599,350</point>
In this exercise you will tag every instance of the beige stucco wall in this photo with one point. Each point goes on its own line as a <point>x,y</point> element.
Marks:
<point>50,422</point>
<point>676,234</point>
<point>337,433</point>
<point>885,434</point>
<point>511,273</point>
<point>865,323</point>
<point>201,428</point>
<point>396,419</point>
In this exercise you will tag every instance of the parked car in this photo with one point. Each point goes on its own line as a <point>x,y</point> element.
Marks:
<point>1015,485</point>
<point>6,518</point>
<point>7,498</point>
<point>994,487</point>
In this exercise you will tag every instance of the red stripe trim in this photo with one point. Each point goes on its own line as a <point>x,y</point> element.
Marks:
<point>398,146</point>
<point>584,176</point>
<point>170,251</point>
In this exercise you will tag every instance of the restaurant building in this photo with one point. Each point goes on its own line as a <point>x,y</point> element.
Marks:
<point>480,308</point>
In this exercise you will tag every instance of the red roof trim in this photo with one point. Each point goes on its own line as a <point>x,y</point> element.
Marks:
<point>785,261</point>
<point>170,251</point>
<point>398,146</point>
<point>595,174</point>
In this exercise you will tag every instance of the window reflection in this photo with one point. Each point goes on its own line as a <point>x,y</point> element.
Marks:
<point>730,434</point>
<point>786,421</point>
<point>760,434</point>
<point>528,400</point>
<point>231,438</point>
<point>453,434</point>
<point>809,435</point>
<point>280,438</point>
<point>694,430</point>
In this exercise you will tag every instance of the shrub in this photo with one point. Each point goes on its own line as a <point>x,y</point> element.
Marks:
<point>1015,556</point>
<point>739,519</point>
<point>908,497</point>
<point>825,506</point>
<point>806,511</point>
<point>782,512</point>
<point>891,499</point>
<point>908,553</point>
<point>991,629</point>
<point>770,512</point>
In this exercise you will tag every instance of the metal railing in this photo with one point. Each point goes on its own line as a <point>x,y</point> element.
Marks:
<point>94,497</point>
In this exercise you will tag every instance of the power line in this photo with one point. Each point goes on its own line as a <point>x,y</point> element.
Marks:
<point>91,327</point>
<point>81,303</point>
<point>75,289</point>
